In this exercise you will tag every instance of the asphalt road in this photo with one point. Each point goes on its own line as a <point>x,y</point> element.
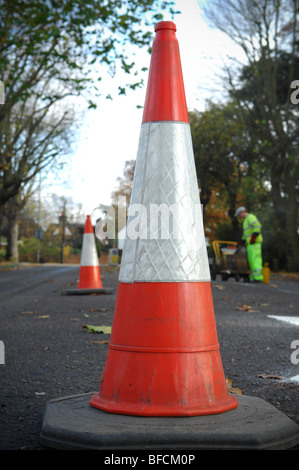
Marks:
<point>49,354</point>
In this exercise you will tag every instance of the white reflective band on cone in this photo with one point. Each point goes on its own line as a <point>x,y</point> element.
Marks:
<point>89,256</point>
<point>165,183</point>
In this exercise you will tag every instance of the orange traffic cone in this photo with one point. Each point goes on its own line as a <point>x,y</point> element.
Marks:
<point>163,357</point>
<point>90,281</point>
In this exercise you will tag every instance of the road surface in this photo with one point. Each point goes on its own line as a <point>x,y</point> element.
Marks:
<point>49,354</point>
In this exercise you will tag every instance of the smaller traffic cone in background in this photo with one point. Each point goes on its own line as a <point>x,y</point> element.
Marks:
<point>90,281</point>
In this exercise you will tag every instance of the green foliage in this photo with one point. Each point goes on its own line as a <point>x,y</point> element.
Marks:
<point>231,172</point>
<point>51,50</point>
<point>225,158</point>
<point>49,252</point>
<point>225,231</point>
<point>282,70</point>
<point>267,33</point>
<point>2,254</point>
<point>62,39</point>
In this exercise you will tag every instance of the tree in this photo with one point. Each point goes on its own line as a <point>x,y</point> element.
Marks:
<point>125,183</point>
<point>33,138</point>
<point>49,51</point>
<point>225,160</point>
<point>61,40</point>
<point>51,229</point>
<point>267,31</point>
<point>121,196</point>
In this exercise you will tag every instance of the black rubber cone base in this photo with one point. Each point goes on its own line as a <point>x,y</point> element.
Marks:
<point>89,291</point>
<point>71,423</point>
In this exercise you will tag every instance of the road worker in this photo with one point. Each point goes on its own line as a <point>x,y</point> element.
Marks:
<point>253,239</point>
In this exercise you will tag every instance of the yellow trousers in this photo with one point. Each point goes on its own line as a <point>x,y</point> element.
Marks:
<point>255,260</point>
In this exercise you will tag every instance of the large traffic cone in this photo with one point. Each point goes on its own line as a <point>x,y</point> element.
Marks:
<point>90,281</point>
<point>163,357</point>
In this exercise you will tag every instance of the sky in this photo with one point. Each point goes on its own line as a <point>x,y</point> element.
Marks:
<point>109,134</point>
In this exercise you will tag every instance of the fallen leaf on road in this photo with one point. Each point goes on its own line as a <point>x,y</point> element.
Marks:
<point>269,376</point>
<point>246,308</point>
<point>232,389</point>
<point>30,312</point>
<point>98,329</point>
<point>43,316</point>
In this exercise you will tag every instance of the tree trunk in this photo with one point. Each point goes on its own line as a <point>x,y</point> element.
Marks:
<point>286,210</point>
<point>292,225</point>
<point>232,202</point>
<point>278,201</point>
<point>12,252</point>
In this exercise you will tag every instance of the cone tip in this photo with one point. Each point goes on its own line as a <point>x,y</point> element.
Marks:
<point>165,25</point>
<point>165,97</point>
<point>88,228</point>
